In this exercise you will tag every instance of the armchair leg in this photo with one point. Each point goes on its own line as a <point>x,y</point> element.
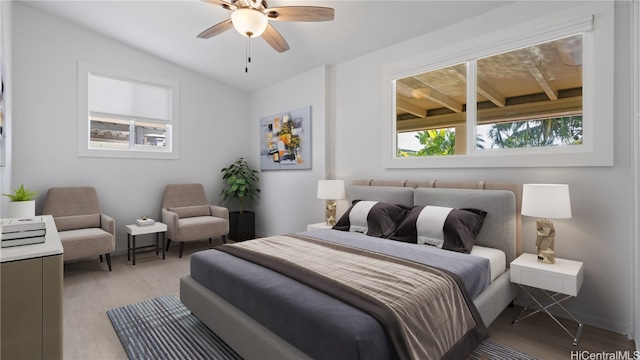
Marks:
<point>181,248</point>
<point>168,242</point>
<point>108,256</point>
<point>224,239</point>
<point>100,258</point>
<point>209,240</point>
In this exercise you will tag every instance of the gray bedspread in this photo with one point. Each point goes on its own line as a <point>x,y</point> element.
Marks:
<point>474,271</point>
<point>317,324</point>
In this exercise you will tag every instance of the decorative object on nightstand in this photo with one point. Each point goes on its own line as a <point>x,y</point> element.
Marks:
<point>331,190</point>
<point>145,221</point>
<point>563,278</point>
<point>548,201</point>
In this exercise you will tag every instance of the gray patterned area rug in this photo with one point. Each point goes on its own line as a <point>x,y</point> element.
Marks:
<point>163,328</point>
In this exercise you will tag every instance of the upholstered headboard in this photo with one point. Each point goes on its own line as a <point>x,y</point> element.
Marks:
<point>501,229</point>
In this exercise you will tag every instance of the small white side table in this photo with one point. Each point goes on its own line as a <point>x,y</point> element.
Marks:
<point>134,230</point>
<point>555,280</point>
<point>318,226</point>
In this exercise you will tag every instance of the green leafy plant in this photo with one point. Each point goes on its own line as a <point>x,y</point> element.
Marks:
<point>241,183</point>
<point>22,194</point>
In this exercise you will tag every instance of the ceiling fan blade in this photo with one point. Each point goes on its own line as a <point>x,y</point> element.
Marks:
<point>216,29</point>
<point>300,13</point>
<point>273,38</point>
<point>224,4</point>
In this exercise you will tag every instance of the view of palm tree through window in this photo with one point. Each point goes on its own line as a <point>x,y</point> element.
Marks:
<point>525,98</point>
<point>518,134</point>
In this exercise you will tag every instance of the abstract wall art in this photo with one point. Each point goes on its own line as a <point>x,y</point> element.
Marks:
<point>285,140</point>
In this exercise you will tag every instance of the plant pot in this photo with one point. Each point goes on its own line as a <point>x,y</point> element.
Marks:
<point>242,226</point>
<point>22,209</point>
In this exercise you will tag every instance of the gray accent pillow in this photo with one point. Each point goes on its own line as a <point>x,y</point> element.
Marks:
<point>75,222</point>
<point>191,211</point>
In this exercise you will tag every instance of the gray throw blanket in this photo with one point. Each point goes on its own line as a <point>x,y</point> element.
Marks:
<point>426,313</point>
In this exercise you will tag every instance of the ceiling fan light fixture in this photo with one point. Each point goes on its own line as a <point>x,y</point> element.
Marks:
<point>249,22</point>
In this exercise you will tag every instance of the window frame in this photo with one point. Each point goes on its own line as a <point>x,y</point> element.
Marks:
<point>596,25</point>
<point>84,116</point>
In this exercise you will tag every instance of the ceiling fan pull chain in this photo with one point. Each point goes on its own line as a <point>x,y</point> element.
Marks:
<point>247,58</point>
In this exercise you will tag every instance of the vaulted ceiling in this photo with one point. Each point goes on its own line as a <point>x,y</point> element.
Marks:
<point>168,29</point>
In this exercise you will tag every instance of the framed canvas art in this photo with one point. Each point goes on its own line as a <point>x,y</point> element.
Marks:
<point>285,140</point>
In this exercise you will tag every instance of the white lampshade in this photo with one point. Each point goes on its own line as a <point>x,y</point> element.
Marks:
<point>331,189</point>
<point>549,201</point>
<point>249,22</point>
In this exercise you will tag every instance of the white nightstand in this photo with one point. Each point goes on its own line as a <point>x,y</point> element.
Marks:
<point>318,226</point>
<point>559,282</point>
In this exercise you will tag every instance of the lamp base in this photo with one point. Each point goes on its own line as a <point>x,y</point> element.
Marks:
<point>545,240</point>
<point>330,212</point>
<point>547,256</point>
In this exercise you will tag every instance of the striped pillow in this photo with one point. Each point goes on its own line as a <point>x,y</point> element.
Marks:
<point>446,228</point>
<point>372,218</point>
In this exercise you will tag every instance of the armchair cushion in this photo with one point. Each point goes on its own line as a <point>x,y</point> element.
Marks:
<point>191,211</point>
<point>201,227</point>
<point>82,243</point>
<point>74,222</point>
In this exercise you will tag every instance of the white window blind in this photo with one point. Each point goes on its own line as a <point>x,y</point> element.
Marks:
<point>129,99</point>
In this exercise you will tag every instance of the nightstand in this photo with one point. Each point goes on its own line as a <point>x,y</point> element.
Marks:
<point>559,282</point>
<point>318,226</point>
<point>157,228</point>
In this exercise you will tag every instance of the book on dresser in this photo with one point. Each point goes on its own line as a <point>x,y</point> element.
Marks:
<point>23,231</point>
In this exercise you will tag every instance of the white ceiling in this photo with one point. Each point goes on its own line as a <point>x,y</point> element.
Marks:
<point>168,30</point>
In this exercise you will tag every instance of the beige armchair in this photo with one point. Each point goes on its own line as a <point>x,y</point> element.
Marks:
<point>84,230</point>
<point>189,217</point>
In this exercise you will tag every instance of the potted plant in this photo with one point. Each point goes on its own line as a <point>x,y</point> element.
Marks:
<point>23,203</point>
<point>241,186</point>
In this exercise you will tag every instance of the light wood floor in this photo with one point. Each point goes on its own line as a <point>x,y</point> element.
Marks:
<point>90,290</point>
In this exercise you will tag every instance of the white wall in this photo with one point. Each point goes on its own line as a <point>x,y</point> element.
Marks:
<point>288,199</point>
<point>635,16</point>
<point>600,232</point>
<point>6,8</point>
<point>46,49</point>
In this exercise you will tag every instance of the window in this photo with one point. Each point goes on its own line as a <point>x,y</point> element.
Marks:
<point>126,115</point>
<point>530,94</point>
<point>528,97</point>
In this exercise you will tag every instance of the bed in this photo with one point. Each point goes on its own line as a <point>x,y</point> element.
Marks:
<point>261,325</point>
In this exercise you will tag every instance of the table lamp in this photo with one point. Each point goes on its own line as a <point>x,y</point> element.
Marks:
<point>331,190</point>
<point>547,201</point>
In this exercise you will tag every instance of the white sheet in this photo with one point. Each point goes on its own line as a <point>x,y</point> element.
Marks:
<point>497,259</point>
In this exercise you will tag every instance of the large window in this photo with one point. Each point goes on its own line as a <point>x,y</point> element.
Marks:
<point>126,115</point>
<point>539,98</point>
<point>528,97</point>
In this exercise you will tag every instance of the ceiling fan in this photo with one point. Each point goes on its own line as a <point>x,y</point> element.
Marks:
<point>251,19</point>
